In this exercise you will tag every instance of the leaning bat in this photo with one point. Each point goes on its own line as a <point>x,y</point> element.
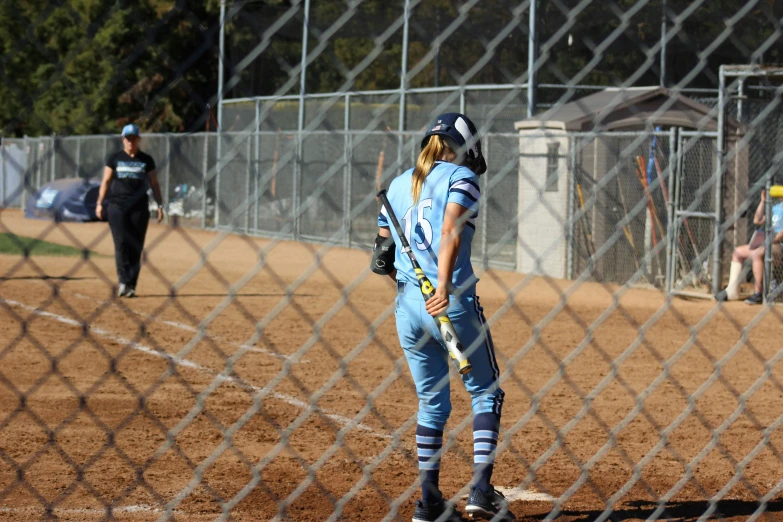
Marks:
<point>445,327</point>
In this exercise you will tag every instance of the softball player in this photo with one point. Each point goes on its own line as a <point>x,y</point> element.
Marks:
<point>438,203</point>
<point>128,173</point>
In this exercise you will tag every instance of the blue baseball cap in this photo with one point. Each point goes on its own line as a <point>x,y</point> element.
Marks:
<point>130,130</point>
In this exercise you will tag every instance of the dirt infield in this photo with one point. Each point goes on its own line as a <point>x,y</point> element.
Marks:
<point>142,412</point>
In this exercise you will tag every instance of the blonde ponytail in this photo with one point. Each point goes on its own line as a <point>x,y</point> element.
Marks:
<point>427,158</point>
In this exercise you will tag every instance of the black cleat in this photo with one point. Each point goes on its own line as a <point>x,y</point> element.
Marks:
<point>440,512</point>
<point>488,506</point>
<point>756,298</point>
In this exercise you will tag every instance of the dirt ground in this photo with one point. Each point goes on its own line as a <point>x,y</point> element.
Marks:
<point>264,378</point>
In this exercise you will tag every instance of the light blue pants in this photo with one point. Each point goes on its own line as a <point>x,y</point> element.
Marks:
<point>429,361</point>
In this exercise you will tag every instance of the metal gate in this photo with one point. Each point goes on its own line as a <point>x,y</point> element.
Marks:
<point>695,256</point>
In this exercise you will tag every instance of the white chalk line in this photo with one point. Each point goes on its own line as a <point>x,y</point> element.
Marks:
<point>82,511</point>
<point>192,329</point>
<point>293,401</point>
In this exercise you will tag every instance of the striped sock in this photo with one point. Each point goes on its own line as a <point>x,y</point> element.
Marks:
<point>485,441</point>
<point>428,446</point>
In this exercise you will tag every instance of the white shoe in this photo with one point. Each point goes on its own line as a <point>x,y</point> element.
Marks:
<point>131,292</point>
<point>122,290</point>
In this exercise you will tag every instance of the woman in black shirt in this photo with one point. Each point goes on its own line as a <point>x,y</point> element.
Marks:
<point>128,172</point>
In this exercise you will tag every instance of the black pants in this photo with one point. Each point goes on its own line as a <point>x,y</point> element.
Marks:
<point>128,228</point>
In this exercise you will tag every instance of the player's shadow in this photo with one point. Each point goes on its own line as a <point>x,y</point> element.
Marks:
<point>677,511</point>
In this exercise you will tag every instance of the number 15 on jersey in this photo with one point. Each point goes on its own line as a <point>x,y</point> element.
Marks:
<point>423,227</point>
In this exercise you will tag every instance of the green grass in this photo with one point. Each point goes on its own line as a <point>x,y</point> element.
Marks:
<point>27,246</point>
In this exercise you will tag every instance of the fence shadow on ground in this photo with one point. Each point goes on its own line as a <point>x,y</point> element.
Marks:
<point>682,511</point>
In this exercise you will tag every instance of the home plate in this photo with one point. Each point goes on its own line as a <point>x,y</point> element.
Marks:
<point>525,495</point>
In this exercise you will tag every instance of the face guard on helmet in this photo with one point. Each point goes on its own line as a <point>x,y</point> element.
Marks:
<point>460,130</point>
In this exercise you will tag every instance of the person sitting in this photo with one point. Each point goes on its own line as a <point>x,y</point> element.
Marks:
<point>755,252</point>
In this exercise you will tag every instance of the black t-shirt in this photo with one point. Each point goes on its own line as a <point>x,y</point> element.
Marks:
<point>129,186</point>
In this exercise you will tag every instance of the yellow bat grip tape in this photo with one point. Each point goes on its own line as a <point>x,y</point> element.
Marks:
<point>776,191</point>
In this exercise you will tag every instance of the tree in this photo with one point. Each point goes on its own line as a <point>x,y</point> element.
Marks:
<point>89,66</point>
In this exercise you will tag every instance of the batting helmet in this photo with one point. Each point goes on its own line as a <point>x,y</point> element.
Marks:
<point>461,131</point>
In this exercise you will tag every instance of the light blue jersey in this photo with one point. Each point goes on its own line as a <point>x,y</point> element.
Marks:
<point>422,223</point>
<point>777,218</point>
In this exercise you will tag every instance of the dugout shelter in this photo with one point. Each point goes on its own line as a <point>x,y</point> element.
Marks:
<point>604,180</point>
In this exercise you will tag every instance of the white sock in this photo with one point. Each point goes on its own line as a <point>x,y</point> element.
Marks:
<point>732,291</point>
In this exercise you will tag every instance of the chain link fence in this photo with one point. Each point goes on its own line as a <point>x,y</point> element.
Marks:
<point>259,189</point>
<point>380,110</point>
<point>258,374</point>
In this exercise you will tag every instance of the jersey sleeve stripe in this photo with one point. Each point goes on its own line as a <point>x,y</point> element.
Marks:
<point>469,182</point>
<point>466,194</point>
<point>467,187</point>
<point>383,220</point>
